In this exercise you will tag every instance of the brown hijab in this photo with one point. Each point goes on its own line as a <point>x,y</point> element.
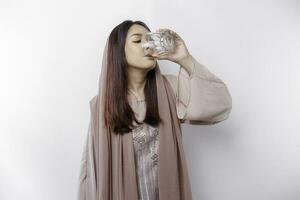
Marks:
<point>108,168</point>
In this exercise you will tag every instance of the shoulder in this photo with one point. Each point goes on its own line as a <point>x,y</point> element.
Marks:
<point>93,100</point>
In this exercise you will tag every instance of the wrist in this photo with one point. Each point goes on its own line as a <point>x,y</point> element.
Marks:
<point>186,60</point>
<point>188,64</point>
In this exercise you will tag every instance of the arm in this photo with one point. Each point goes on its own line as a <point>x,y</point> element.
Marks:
<point>201,97</point>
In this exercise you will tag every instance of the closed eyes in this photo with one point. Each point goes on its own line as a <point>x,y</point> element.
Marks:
<point>137,41</point>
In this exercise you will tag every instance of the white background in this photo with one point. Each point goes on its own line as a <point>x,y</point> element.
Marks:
<point>51,53</point>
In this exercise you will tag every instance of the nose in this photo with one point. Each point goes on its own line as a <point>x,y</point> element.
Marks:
<point>147,48</point>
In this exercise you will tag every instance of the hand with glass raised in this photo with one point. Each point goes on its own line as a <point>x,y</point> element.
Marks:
<point>180,54</point>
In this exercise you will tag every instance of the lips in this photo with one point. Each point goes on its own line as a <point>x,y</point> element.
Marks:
<point>149,56</point>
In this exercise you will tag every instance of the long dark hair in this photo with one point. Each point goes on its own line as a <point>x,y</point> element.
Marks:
<point>118,113</point>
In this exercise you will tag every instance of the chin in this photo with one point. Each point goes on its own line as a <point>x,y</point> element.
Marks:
<point>151,66</point>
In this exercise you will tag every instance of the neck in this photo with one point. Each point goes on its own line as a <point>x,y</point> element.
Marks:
<point>137,80</point>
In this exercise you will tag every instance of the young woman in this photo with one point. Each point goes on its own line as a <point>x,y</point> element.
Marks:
<point>134,147</point>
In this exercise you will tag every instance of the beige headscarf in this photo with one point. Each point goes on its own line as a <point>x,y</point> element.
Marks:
<point>108,168</point>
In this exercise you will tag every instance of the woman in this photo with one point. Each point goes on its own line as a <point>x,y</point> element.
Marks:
<point>134,147</point>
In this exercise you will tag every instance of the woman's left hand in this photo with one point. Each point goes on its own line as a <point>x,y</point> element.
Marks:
<point>180,53</point>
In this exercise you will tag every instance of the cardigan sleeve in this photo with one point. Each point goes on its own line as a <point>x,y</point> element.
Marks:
<point>202,98</point>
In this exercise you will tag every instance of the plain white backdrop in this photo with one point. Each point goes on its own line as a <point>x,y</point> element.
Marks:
<point>50,56</point>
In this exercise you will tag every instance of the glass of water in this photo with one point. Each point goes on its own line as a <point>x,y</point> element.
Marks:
<point>159,42</point>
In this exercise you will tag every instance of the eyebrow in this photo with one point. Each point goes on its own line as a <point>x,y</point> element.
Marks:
<point>136,34</point>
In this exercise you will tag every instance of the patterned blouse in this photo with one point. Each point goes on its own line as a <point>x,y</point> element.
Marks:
<point>146,157</point>
<point>145,141</point>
